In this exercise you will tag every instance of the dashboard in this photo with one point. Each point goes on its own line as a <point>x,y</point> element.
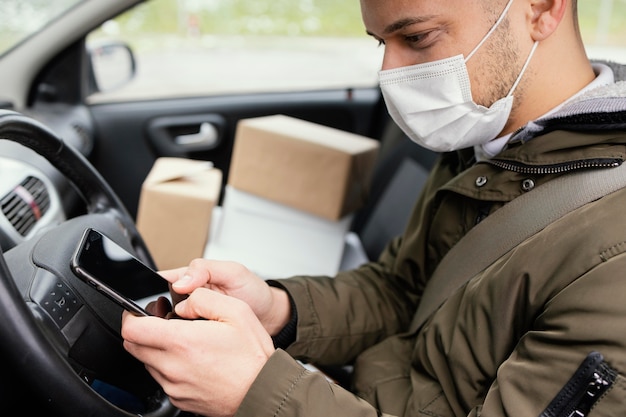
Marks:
<point>33,194</point>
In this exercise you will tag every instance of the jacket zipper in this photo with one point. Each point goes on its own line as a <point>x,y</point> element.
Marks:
<point>592,379</point>
<point>555,169</point>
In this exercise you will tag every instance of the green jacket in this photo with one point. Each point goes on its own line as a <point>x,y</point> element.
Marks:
<point>541,332</point>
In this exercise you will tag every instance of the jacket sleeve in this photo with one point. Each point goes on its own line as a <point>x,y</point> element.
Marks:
<point>286,388</point>
<point>340,317</point>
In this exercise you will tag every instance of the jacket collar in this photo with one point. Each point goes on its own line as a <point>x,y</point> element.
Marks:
<point>601,108</point>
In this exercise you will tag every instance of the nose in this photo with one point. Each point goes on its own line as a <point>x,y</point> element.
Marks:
<point>389,60</point>
<point>395,57</point>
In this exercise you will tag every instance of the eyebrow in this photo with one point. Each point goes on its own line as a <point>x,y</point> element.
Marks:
<point>403,23</point>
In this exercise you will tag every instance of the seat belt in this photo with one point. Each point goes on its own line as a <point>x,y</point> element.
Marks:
<point>510,225</point>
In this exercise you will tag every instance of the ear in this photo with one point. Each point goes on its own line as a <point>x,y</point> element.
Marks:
<point>546,16</point>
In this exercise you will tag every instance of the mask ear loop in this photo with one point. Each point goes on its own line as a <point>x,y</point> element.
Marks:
<point>493,28</point>
<point>521,74</point>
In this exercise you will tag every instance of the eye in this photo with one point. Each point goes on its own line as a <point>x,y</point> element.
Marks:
<point>415,38</point>
<point>421,40</point>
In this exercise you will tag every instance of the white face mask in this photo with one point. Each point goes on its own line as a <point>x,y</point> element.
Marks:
<point>432,102</point>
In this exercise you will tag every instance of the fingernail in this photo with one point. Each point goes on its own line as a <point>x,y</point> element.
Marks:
<point>186,279</point>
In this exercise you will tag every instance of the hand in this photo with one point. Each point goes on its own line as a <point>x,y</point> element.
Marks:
<point>271,305</point>
<point>204,366</point>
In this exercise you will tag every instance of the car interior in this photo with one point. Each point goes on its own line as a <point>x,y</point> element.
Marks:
<point>69,164</point>
<point>74,154</point>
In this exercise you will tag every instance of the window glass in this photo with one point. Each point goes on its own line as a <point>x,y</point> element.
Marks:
<point>603,24</point>
<point>200,47</point>
<point>211,47</point>
<point>20,19</point>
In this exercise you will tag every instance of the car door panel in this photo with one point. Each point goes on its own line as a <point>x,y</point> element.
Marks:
<point>131,135</point>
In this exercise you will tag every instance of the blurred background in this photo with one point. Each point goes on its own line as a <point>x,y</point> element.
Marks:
<point>213,47</point>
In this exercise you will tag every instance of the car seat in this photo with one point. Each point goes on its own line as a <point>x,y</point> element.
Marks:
<point>397,181</point>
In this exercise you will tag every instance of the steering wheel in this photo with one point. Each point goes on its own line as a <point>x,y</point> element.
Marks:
<point>73,359</point>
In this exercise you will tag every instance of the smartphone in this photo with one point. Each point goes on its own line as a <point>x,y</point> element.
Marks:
<point>115,272</point>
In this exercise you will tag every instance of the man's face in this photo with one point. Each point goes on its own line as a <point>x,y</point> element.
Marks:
<point>419,31</point>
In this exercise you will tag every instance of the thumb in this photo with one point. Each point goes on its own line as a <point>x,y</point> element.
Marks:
<point>199,273</point>
<point>204,303</point>
<point>186,284</point>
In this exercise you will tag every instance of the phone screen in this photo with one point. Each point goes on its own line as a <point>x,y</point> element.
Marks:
<point>111,269</point>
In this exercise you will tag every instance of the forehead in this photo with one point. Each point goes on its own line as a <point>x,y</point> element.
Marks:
<point>379,15</point>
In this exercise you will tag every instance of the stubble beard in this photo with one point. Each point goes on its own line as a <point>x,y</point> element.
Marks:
<point>501,68</point>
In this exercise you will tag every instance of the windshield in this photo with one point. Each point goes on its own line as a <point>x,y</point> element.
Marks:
<point>20,19</point>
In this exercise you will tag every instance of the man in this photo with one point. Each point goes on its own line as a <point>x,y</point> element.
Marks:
<point>504,89</point>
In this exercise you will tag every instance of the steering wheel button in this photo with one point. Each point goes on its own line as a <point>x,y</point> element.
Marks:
<point>55,297</point>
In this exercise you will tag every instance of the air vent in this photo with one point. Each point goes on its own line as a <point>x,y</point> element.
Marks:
<point>26,204</point>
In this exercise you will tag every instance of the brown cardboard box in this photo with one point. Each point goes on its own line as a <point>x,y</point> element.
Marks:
<point>175,207</point>
<point>311,167</point>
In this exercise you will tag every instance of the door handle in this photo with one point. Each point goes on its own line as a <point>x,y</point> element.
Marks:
<point>170,134</point>
<point>207,136</point>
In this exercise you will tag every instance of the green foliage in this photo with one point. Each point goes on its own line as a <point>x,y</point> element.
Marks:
<point>603,21</point>
<point>248,17</point>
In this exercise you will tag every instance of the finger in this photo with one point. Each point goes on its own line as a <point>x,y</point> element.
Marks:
<point>150,356</point>
<point>212,273</point>
<point>145,331</point>
<point>196,275</point>
<point>173,275</point>
<point>211,305</point>
<point>151,339</point>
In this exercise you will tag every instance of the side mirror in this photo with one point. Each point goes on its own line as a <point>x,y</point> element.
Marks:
<point>112,65</point>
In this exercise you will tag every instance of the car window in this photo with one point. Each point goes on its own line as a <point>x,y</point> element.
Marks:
<point>200,47</point>
<point>603,25</point>
<point>212,47</point>
<point>20,19</point>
